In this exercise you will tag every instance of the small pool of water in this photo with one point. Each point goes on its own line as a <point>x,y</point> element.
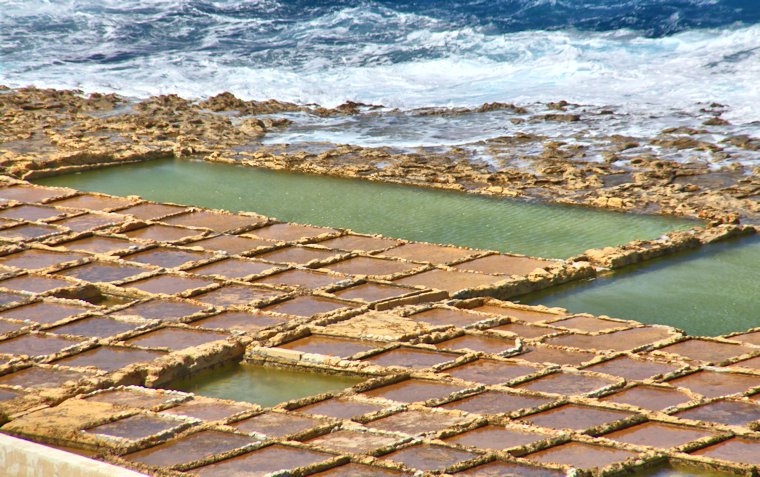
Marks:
<point>711,291</point>
<point>262,385</point>
<point>413,213</point>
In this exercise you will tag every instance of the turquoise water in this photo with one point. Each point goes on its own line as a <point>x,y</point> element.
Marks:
<point>261,385</point>
<point>711,291</point>
<point>407,212</point>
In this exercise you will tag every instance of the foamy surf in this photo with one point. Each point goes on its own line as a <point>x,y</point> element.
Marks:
<point>443,54</point>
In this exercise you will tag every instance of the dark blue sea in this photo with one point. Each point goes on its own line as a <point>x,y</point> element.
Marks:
<point>651,57</point>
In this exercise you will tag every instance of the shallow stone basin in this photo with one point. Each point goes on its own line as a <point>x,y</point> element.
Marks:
<point>31,213</point>
<point>35,283</point>
<point>653,398</point>
<point>151,211</point>
<point>297,255</point>
<point>340,408</point>
<point>659,435</point>
<point>169,284</point>
<point>34,259</point>
<point>298,278</point>
<point>89,222</point>
<point>307,306</point>
<point>96,327</point>
<point>161,233</point>
<point>104,272</point>
<point>634,369</point>
<point>29,232</point>
<point>360,243</point>
<point>100,244</point>
<point>449,281</point>
<point>428,457</point>
<point>414,390</point>
<point>505,265</point>
<point>487,371</point>
<point>290,232</point>
<point>240,320</point>
<point>137,427</point>
<point>481,343</point>
<point>166,257</point>
<point>371,267</point>
<point>277,425</point>
<point>372,292</point>
<point>94,202</point>
<point>109,358</point>
<point>520,314</point>
<point>414,358</point>
<point>415,422</point>
<point>215,221</point>
<point>330,346</point>
<point>233,244</point>
<point>158,309</point>
<point>501,469</point>
<point>496,438</point>
<point>262,385</point>
<point>176,338</point>
<point>41,378</point>
<point>236,295</point>
<point>44,312</point>
<point>233,268</point>
<point>353,442</point>
<point>28,193</point>
<point>429,253</point>
<point>495,403</point>
<point>448,317</point>
<point>36,345</point>
<point>575,417</point>
<point>264,461</point>
<point>190,448</point>
<point>583,456</point>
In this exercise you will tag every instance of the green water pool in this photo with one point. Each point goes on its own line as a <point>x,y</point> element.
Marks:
<point>710,291</point>
<point>407,212</point>
<point>265,386</point>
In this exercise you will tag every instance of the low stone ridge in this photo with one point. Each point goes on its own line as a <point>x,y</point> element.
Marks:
<point>95,323</point>
<point>684,171</point>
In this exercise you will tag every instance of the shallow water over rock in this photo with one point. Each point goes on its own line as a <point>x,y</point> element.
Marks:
<point>412,213</point>
<point>711,291</point>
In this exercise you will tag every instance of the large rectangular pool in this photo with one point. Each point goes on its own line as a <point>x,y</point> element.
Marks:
<point>408,212</point>
<point>711,291</point>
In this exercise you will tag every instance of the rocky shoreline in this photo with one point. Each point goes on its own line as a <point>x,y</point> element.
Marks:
<point>51,132</point>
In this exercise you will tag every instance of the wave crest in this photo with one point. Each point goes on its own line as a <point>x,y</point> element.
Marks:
<point>443,53</point>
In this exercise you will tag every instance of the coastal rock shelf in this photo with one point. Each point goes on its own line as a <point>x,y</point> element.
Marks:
<point>706,170</point>
<point>109,304</point>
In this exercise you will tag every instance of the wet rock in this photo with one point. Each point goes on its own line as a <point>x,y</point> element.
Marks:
<point>487,107</point>
<point>566,118</point>
<point>716,121</point>
<point>558,106</point>
<point>743,141</point>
